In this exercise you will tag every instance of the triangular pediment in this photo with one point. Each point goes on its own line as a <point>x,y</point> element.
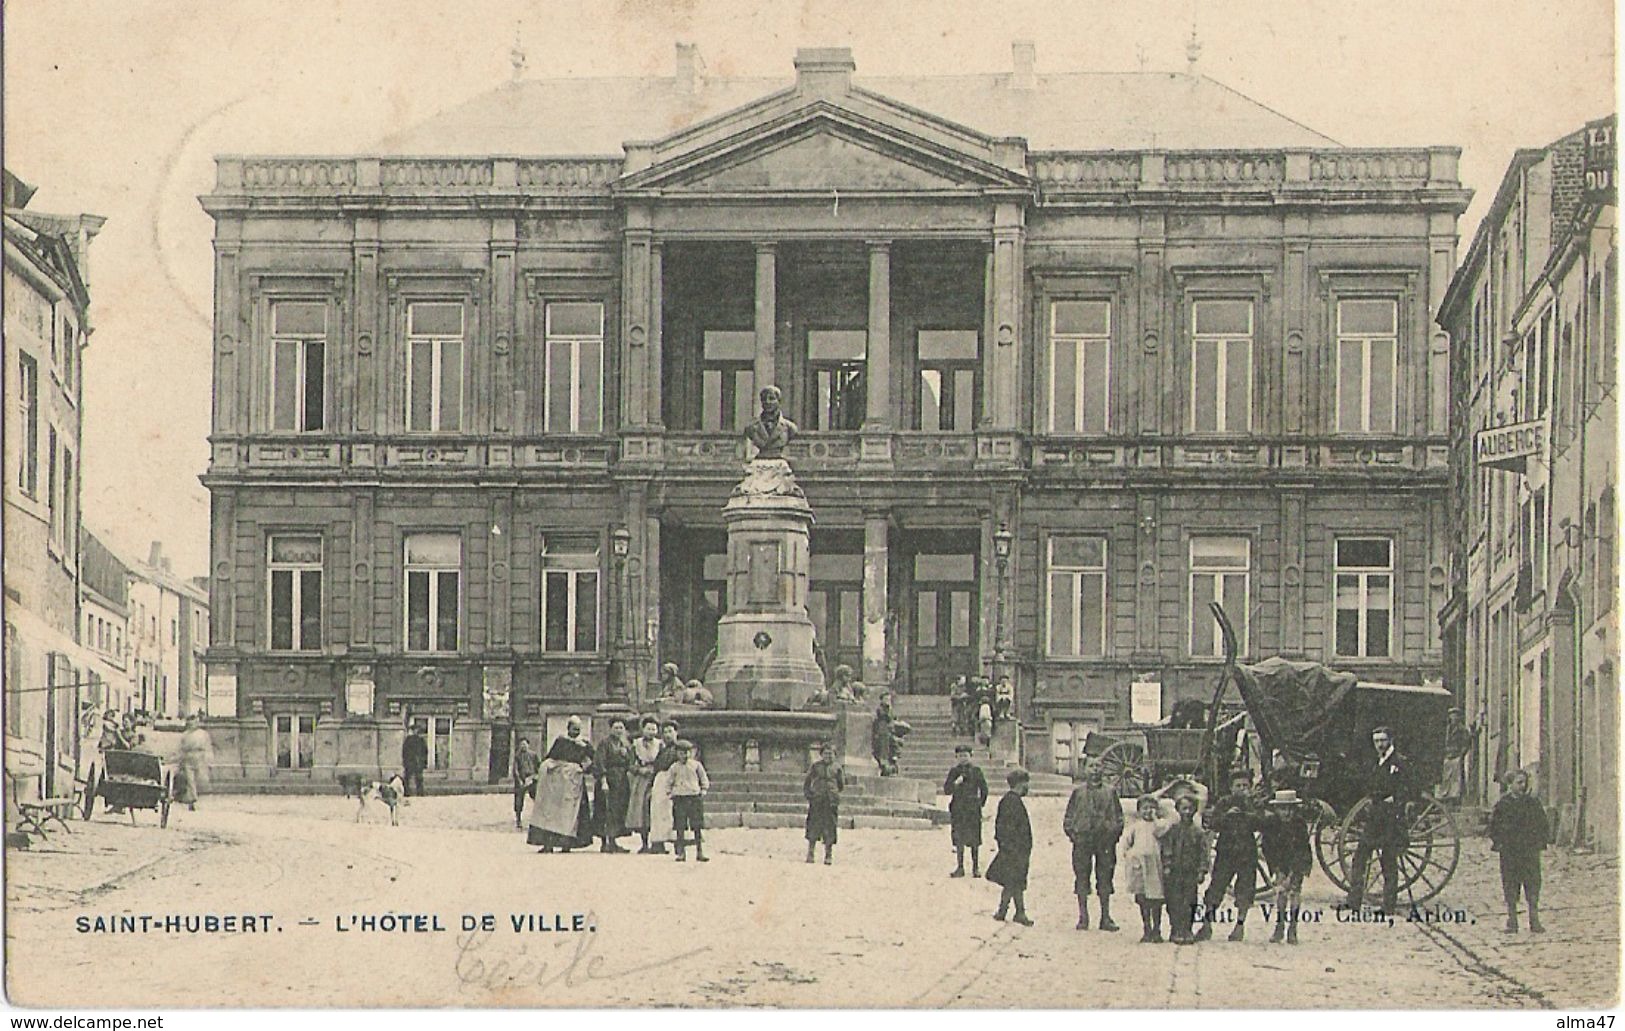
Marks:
<point>823,148</point>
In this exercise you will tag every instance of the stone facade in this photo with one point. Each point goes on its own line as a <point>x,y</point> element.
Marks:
<point>1532,625</point>
<point>47,326</point>
<point>1035,381</point>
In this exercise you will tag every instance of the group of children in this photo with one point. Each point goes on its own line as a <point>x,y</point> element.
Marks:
<point>1164,851</point>
<point>1167,856</point>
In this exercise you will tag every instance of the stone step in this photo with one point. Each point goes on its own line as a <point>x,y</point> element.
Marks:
<point>766,821</point>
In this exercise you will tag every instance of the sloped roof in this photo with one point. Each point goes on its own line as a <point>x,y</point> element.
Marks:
<point>1071,111</point>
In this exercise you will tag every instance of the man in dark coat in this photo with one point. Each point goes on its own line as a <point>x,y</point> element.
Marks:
<point>822,787</point>
<point>1014,833</point>
<point>1385,833</point>
<point>1519,832</point>
<point>1236,817</point>
<point>966,788</point>
<point>1093,823</point>
<point>414,760</point>
<point>882,741</point>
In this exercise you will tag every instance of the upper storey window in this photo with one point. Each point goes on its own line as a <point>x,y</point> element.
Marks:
<point>837,358</point>
<point>1367,365</point>
<point>434,368</point>
<point>298,366</point>
<point>574,338</point>
<point>948,364</point>
<point>1080,366</point>
<point>1221,366</point>
<point>728,379</point>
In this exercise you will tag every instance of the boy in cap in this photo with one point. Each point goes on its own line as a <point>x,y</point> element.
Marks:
<point>1093,823</point>
<point>687,791</point>
<point>1235,857</point>
<point>966,788</point>
<point>1286,849</point>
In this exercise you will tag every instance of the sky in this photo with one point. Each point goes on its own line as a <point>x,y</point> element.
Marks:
<point>118,109</point>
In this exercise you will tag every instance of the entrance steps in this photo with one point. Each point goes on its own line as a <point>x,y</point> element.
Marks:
<point>763,799</point>
<point>928,751</point>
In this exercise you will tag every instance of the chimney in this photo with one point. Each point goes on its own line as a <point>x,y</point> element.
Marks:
<point>155,555</point>
<point>689,68</point>
<point>824,71</point>
<point>1023,55</point>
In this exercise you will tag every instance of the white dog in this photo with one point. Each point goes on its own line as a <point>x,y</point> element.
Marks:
<point>389,793</point>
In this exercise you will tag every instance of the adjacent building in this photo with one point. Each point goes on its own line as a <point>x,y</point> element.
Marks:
<point>1532,623</point>
<point>104,606</point>
<point>1072,356</point>
<point>169,635</point>
<point>47,326</point>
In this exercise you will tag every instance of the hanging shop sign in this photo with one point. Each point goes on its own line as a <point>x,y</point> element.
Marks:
<point>1509,447</point>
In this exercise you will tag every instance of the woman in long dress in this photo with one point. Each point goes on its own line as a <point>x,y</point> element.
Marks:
<point>645,750</point>
<point>562,816</point>
<point>660,818</point>
<point>614,784</point>
<point>193,778</point>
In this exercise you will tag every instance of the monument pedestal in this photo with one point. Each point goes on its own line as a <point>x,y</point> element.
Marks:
<point>765,641</point>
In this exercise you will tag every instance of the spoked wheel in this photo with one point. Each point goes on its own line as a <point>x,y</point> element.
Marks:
<point>1123,766</point>
<point>1326,827</point>
<point>1426,861</point>
<point>88,807</point>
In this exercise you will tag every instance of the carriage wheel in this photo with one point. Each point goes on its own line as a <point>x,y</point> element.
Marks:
<point>1326,829</point>
<point>1427,861</point>
<point>1123,766</point>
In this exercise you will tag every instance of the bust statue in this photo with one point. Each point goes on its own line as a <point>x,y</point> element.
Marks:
<point>771,432</point>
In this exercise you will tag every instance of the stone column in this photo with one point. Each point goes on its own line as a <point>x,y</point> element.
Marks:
<point>876,528</point>
<point>655,357</point>
<point>878,416</point>
<point>635,320</point>
<point>1155,408</point>
<point>1005,367</point>
<point>364,401</point>
<point>504,242</point>
<point>766,312</point>
<point>1441,261</point>
<point>1294,556</point>
<point>1295,324</point>
<point>498,566</point>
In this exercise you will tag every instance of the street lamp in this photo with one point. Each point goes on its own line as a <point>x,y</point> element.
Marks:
<point>620,543</point>
<point>1002,539</point>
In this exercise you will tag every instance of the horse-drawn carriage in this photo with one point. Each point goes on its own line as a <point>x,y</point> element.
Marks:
<point>1320,721</point>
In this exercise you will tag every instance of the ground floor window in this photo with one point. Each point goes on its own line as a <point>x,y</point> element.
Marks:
<point>1068,738</point>
<point>436,731</point>
<point>293,741</point>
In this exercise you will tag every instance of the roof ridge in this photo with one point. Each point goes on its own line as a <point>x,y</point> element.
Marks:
<point>1271,110</point>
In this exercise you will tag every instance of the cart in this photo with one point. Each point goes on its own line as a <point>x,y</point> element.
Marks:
<point>1137,760</point>
<point>134,780</point>
<point>1321,720</point>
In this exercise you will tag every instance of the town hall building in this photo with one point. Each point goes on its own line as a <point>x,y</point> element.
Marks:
<point>1072,355</point>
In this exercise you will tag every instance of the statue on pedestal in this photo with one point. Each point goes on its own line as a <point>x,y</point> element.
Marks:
<point>768,473</point>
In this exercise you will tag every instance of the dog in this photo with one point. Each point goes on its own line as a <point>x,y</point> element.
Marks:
<point>389,793</point>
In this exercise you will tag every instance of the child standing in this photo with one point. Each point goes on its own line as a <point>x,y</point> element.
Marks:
<point>1235,855</point>
<point>1014,833</point>
<point>823,786</point>
<point>1519,832</point>
<point>687,791</point>
<point>1184,863</point>
<point>966,788</point>
<point>1286,849</point>
<point>1142,863</point>
<point>1093,823</point>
